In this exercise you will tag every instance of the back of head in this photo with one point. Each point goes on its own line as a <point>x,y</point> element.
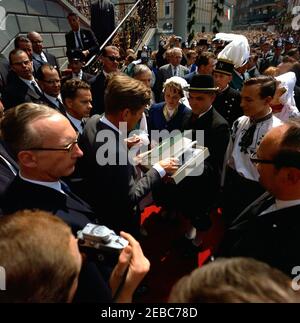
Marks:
<point>15,126</point>
<point>124,92</point>
<point>235,280</point>
<point>35,252</point>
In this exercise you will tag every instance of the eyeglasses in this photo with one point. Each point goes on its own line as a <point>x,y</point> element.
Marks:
<point>69,148</point>
<point>114,58</point>
<point>256,160</point>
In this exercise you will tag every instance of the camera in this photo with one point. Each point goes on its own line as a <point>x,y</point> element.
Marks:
<point>101,238</point>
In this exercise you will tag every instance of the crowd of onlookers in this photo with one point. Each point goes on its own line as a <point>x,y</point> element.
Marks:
<point>56,157</point>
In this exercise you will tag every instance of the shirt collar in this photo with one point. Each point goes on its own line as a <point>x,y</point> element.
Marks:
<point>76,122</point>
<point>108,123</point>
<point>38,56</point>
<point>54,185</point>
<point>284,204</point>
<point>53,99</point>
<point>79,75</point>
<point>202,114</point>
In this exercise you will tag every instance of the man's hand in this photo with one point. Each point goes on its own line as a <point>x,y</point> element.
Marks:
<point>134,265</point>
<point>170,165</point>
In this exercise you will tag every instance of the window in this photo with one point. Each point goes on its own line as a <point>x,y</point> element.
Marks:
<point>167,8</point>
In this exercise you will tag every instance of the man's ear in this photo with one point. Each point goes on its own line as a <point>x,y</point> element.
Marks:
<point>27,159</point>
<point>68,103</point>
<point>293,175</point>
<point>268,100</point>
<point>125,114</point>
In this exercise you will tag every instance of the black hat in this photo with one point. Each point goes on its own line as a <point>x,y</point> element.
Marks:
<point>202,83</point>
<point>224,66</point>
<point>76,55</point>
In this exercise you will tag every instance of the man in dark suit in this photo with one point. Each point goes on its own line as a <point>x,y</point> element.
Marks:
<point>79,38</point>
<point>49,82</point>
<point>205,65</point>
<point>109,173</point>
<point>8,169</point>
<point>76,62</point>
<point>39,57</point>
<point>21,85</point>
<point>204,121</point>
<point>77,99</point>
<point>45,145</point>
<point>110,58</point>
<point>102,19</point>
<point>268,229</point>
<point>4,68</point>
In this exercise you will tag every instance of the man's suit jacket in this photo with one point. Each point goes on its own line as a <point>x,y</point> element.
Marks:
<point>51,59</point>
<point>228,104</point>
<point>272,237</point>
<point>88,39</point>
<point>157,120</point>
<point>47,102</point>
<point>8,170</point>
<point>76,213</point>
<point>22,195</point>
<point>17,92</point>
<point>164,73</point>
<point>102,19</point>
<point>4,68</point>
<point>86,77</point>
<point>98,85</point>
<point>112,189</point>
<point>188,77</point>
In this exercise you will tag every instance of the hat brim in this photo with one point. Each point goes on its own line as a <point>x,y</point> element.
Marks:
<point>198,89</point>
<point>222,72</point>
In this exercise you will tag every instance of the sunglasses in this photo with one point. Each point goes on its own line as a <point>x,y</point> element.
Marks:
<point>114,58</point>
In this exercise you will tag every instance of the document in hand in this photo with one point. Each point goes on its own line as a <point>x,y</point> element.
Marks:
<point>190,155</point>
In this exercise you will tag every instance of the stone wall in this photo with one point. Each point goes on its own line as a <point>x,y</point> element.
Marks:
<point>46,17</point>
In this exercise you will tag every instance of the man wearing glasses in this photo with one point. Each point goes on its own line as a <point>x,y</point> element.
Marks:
<point>49,82</point>
<point>21,85</point>
<point>45,145</point>
<point>268,229</point>
<point>110,59</point>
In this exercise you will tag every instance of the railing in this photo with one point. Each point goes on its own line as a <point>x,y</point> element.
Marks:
<point>130,31</point>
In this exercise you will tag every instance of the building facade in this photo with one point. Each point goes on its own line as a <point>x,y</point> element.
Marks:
<point>204,16</point>
<point>260,14</point>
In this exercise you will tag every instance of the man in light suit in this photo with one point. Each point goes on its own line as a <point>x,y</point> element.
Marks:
<point>79,38</point>
<point>169,70</point>
<point>268,229</point>
<point>116,179</point>
<point>102,19</point>
<point>39,57</point>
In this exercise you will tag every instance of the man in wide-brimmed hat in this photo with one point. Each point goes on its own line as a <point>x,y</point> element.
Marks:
<point>204,188</point>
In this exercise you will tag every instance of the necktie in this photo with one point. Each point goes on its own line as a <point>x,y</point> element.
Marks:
<point>65,187</point>
<point>36,89</point>
<point>175,71</point>
<point>247,137</point>
<point>78,40</point>
<point>42,59</point>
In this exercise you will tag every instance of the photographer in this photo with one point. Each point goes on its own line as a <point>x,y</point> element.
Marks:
<point>44,243</point>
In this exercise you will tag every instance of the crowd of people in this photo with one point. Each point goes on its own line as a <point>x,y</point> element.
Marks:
<point>65,162</point>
